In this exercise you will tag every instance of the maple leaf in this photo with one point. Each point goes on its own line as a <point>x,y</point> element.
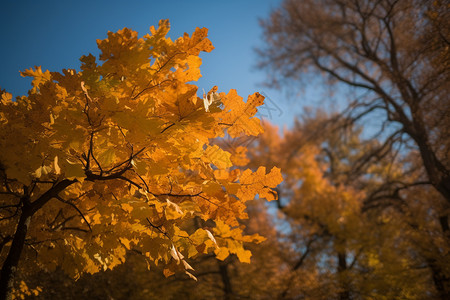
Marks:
<point>259,183</point>
<point>240,116</point>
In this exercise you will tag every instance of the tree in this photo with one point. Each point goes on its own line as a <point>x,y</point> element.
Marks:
<point>132,279</point>
<point>98,162</point>
<point>392,58</point>
<point>388,52</point>
<point>338,249</point>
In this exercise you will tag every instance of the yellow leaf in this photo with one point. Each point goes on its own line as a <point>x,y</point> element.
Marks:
<point>187,266</point>
<point>167,272</point>
<point>190,275</point>
<point>56,166</point>
<point>39,77</point>
<point>212,188</point>
<point>211,236</point>
<point>240,116</point>
<point>140,166</point>
<point>174,253</point>
<point>41,171</point>
<point>239,156</point>
<point>173,211</point>
<point>106,158</point>
<point>222,253</point>
<point>219,157</point>
<point>126,242</point>
<point>6,97</point>
<point>74,171</point>
<point>259,183</point>
<point>199,236</point>
<point>157,169</point>
<point>244,255</point>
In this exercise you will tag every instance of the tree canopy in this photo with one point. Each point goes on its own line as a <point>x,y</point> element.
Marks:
<point>119,156</point>
<point>391,60</point>
<point>392,54</point>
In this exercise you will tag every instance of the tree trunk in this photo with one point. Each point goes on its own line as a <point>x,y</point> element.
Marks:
<point>443,221</point>
<point>344,293</point>
<point>440,279</point>
<point>9,267</point>
<point>437,173</point>
<point>227,290</point>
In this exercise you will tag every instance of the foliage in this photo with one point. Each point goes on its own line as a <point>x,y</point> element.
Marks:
<point>389,61</point>
<point>119,157</point>
<point>340,249</point>
<point>322,240</point>
<point>133,280</point>
<point>390,55</point>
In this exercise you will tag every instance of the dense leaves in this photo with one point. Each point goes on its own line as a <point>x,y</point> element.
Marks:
<point>118,157</point>
<point>120,166</point>
<point>389,63</point>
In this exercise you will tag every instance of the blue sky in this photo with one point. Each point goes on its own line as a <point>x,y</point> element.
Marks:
<point>55,34</point>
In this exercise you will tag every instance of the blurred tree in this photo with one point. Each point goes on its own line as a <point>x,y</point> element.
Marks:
<point>393,58</point>
<point>342,250</point>
<point>393,54</point>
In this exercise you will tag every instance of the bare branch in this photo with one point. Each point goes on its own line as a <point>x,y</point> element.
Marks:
<point>76,208</point>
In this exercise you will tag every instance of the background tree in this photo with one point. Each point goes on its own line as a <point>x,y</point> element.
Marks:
<point>389,52</point>
<point>98,162</point>
<point>340,248</point>
<point>391,58</point>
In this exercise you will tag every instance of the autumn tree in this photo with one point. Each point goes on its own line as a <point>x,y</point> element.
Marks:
<point>390,60</point>
<point>389,53</point>
<point>118,157</point>
<point>339,248</point>
<point>228,279</point>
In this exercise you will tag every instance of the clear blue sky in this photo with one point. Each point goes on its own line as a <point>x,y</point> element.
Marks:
<point>55,34</point>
